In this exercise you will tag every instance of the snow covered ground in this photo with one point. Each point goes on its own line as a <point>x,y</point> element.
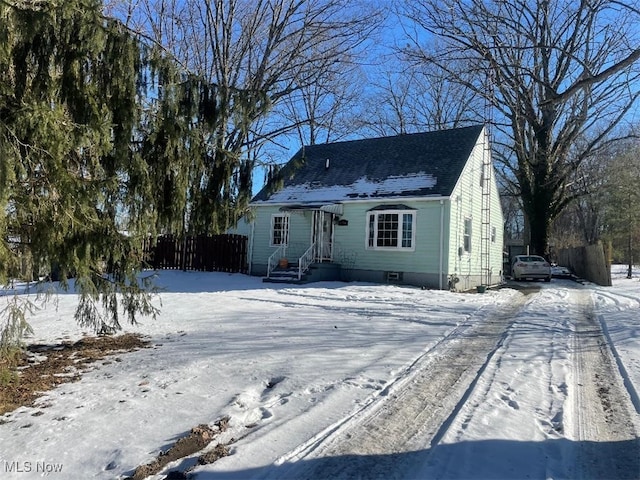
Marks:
<point>335,380</point>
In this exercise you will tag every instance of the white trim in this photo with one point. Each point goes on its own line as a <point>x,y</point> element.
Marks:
<point>464,234</point>
<point>286,223</point>
<point>318,218</point>
<point>400,213</point>
<point>377,200</point>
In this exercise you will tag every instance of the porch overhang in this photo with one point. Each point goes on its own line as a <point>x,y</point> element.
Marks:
<point>335,208</point>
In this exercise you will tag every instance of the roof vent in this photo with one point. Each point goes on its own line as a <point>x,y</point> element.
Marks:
<point>326,164</point>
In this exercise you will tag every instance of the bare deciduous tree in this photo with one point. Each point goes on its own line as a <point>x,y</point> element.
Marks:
<point>582,222</point>
<point>415,98</point>
<point>270,50</point>
<point>390,105</point>
<point>561,75</point>
<point>622,203</point>
<point>323,111</point>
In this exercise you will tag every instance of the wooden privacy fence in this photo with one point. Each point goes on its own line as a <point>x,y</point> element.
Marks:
<point>211,253</point>
<point>589,262</point>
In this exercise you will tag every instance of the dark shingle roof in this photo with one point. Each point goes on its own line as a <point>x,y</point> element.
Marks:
<point>410,165</point>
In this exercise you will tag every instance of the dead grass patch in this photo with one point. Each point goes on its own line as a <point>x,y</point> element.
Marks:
<point>198,439</point>
<point>42,367</point>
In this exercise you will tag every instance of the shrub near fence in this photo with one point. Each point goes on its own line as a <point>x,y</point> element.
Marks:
<point>211,253</point>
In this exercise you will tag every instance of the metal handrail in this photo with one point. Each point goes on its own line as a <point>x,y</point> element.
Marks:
<point>274,258</point>
<point>306,260</point>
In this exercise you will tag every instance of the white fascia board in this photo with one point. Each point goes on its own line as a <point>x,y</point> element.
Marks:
<point>435,198</point>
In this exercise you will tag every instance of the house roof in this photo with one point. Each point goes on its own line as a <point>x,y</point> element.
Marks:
<point>409,165</point>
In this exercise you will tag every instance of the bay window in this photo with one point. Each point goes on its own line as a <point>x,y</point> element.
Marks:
<point>391,229</point>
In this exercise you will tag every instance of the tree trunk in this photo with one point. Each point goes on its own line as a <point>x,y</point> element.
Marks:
<point>536,203</point>
<point>539,231</point>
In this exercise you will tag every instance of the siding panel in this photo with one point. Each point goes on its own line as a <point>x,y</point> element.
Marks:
<point>466,202</point>
<point>351,240</point>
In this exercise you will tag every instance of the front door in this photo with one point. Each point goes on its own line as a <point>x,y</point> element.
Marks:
<point>323,235</point>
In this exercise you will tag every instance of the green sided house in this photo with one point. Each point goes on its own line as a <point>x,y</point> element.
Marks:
<point>419,209</point>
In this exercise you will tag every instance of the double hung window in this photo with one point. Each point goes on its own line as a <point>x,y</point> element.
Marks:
<point>467,235</point>
<point>279,230</point>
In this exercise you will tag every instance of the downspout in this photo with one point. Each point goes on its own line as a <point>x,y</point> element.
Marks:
<point>441,242</point>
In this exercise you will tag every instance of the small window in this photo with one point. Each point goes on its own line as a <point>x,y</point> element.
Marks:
<point>467,235</point>
<point>391,230</point>
<point>407,230</point>
<point>279,230</point>
<point>493,234</point>
<point>372,231</point>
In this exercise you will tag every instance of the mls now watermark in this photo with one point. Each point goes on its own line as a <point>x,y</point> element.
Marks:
<point>42,468</point>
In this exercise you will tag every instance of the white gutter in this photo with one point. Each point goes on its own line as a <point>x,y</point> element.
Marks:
<point>441,242</point>
<point>343,201</point>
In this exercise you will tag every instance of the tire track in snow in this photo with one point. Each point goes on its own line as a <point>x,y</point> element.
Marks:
<point>600,296</point>
<point>633,394</point>
<point>604,426</point>
<point>531,392</point>
<point>492,385</point>
<point>410,413</point>
<point>629,299</point>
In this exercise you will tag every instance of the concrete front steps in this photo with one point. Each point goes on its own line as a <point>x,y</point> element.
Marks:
<point>317,272</point>
<point>285,275</point>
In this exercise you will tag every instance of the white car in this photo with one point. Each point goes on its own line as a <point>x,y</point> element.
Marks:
<point>530,266</point>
